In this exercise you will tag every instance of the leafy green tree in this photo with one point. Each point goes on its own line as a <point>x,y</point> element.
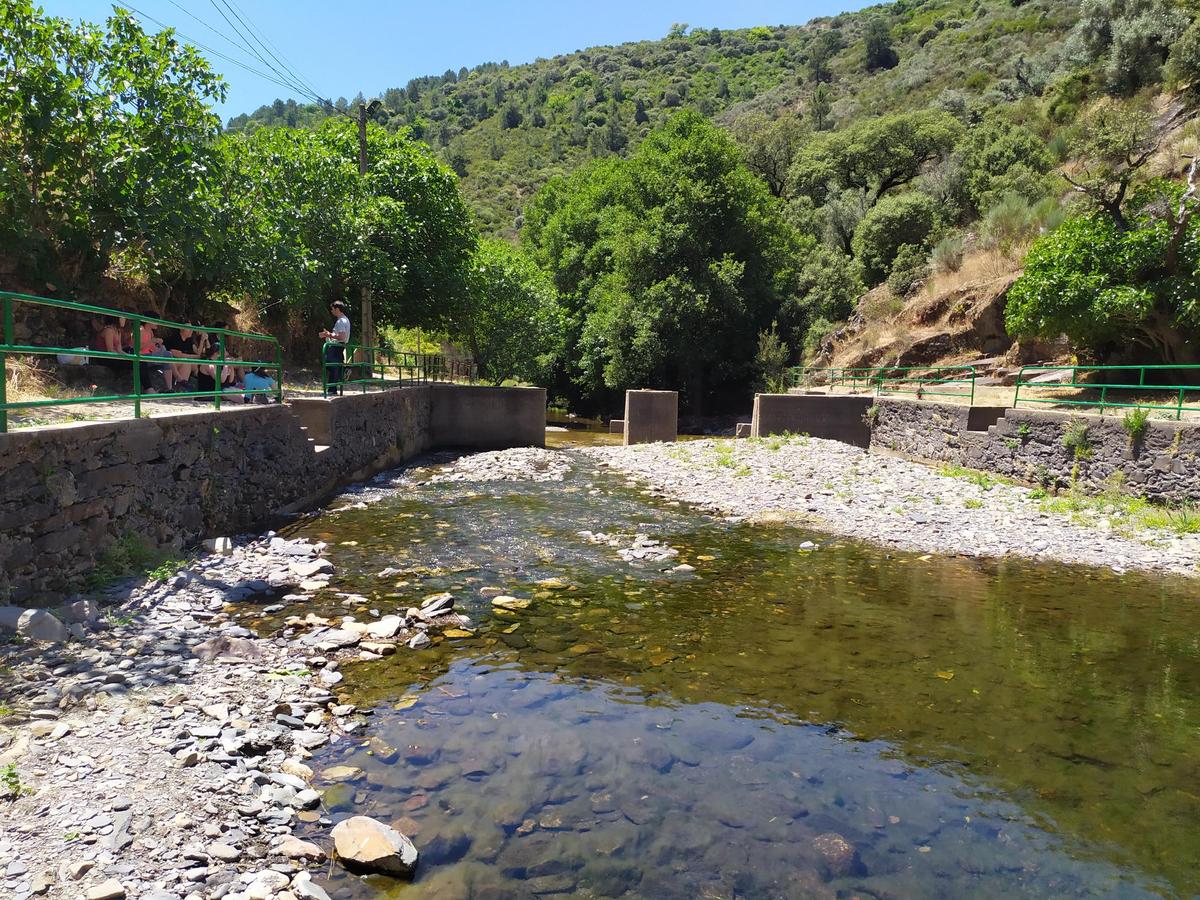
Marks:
<point>771,361</point>
<point>877,39</point>
<point>1001,158</point>
<point>895,221</point>
<point>821,51</point>
<point>510,318</point>
<point>668,263</point>
<point>1184,62</point>
<point>770,146</point>
<point>820,108</point>
<point>1127,39</point>
<point>105,138</point>
<point>1106,287</point>
<point>874,155</point>
<point>1114,143</point>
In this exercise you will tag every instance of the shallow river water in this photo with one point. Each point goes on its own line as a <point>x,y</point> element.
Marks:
<point>783,722</point>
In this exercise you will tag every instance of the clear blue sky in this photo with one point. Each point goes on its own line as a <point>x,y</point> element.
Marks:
<point>370,45</point>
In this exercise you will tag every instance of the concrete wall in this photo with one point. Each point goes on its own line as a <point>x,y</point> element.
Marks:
<point>487,418</point>
<point>836,418</point>
<point>651,416</point>
<point>1028,445</point>
<point>72,492</point>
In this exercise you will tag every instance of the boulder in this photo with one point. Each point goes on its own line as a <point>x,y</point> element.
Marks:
<point>386,627</point>
<point>294,848</point>
<point>9,617</point>
<point>222,546</point>
<point>436,605</point>
<point>227,646</point>
<point>306,889</point>
<point>81,612</point>
<point>367,846</point>
<point>106,890</point>
<point>309,568</point>
<point>419,640</point>
<point>39,625</point>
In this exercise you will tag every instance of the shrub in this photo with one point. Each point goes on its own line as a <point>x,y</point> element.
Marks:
<point>1183,66</point>
<point>820,329</point>
<point>892,223</point>
<point>908,268</point>
<point>1075,440</point>
<point>947,255</point>
<point>1015,222</point>
<point>1135,422</point>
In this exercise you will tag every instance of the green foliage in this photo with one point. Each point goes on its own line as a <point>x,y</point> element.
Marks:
<point>1135,422</point>
<point>981,480</point>
<point>11,778</point>
<point>131,555</point>
<point>947,254</point>
<point>1014,222</point>
<point>1114,140</point>
<point>877,41</point>
<point>908,268</point>
<point>771,361</point>
<point>820,329</point>
<point>871,416</point>
<point>1099,284</point>
<point>1000,158</point>
<point>511,319</point>
<point>1128,40</point>
<point>1183,67</point>
<point>105,136</point>
<point>668,264</point>
<point>1075,440</point>
<point>896,221</point>
<point>874,155</point>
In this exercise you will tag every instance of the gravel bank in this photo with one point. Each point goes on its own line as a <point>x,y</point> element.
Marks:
<point>895,502</point>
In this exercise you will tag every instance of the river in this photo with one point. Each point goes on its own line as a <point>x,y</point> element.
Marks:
<point>799,716</point>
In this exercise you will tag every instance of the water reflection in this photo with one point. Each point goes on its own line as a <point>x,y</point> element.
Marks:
<point>974,728</point>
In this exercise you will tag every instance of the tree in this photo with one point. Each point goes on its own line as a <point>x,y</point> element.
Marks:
<point>1106,287</point>
<point>874,155</point>
<point>895,221</point>
<point>639,112</point>
<point>771,361</point>
<point>820,108</point>
<point>1128,39</point>
<point>821,51</point>
<point>105,138</point>
<point>877,39</point>
<point>769,146</point>
<point>1000,158</point>
<point>1115,141</point>
<point>668,263</point>
<point>510,319</point>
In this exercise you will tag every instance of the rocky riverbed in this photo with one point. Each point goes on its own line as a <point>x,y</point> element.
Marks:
<point>895,502</point>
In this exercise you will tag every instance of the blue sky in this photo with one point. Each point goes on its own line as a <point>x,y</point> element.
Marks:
<point>370,45</point>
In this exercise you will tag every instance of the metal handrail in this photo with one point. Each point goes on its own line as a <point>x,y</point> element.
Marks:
<point>932,381</point>
<point>8,346</point>
<point>1178,391</point>
<point>409,368</point>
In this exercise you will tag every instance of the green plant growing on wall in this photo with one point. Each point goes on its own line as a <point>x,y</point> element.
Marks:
<point>1024,431</point>
<point>871,416</point>
<point>1135,422</point>
<point>1075,440</point>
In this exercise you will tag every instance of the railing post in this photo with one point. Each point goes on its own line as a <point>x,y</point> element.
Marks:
<point>1103,398</point>
<point>324,370</point>
<point>220,372</point>
<point>137,366</point>
<point>278,373</point>
<point>1179,406</point>
<point>8,340</point>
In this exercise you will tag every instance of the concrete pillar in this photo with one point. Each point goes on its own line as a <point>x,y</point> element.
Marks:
<point>651,416</point>
<point>616,426</point>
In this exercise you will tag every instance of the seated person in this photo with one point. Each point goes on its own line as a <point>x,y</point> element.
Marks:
<point>207,372</point>
<point>106,337</point>
<point>181,345</point>
<point>151,347</point>
<point>258,380</point>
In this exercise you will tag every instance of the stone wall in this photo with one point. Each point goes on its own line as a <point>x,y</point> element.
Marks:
<point>1029,445</point>
<point>835,418</point>
<point>72,492</point>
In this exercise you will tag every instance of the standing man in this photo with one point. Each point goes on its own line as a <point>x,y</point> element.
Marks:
<point>335,351</point>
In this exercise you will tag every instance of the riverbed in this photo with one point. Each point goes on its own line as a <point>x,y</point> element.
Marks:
<point>682,705</point>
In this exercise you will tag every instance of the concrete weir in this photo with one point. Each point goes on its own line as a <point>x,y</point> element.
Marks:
<point>651,416</point>
<point>71,493</point>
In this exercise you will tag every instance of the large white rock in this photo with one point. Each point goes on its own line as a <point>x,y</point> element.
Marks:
<point>39,625</point>
<point>386,627</point>
<point>366,845</point>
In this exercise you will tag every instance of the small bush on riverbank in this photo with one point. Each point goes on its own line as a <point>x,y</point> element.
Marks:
<point>982,479</point>
<point>131,555</point>
<point>1135,422</point>
<point>1125,514</point>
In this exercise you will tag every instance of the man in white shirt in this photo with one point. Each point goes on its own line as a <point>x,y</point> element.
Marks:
<point>335,351</point>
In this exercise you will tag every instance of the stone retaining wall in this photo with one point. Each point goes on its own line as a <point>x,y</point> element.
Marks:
<point>1029,445</point>
<point>72,492</point>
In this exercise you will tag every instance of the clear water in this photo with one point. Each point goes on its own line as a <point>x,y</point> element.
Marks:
<point>968,728</point>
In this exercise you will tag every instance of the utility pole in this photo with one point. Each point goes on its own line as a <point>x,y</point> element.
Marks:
<point>368,319</point>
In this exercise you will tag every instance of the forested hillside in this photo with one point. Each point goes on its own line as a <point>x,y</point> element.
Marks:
<point>693,213</point>
<point>507,129</point>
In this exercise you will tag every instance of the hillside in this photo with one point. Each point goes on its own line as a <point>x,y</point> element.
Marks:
<point>507,129</point>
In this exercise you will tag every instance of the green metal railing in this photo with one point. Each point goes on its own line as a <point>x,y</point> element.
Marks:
<point>136,359</point>
<point>919,381</point>
<point>379,367</point>
<point>1175,395</point>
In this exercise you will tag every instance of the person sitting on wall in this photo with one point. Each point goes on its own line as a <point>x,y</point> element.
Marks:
<point>335,352</point>
<point>107,339</point>
<point>181,345</point>
<point>152,348</point>
<point>257,380</point>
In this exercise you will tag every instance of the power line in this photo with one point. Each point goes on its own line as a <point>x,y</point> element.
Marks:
<point>276,79</point>
<point>249,47</point>
<point>259,36</point>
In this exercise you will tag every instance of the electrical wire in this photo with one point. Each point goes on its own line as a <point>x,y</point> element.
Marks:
<point>267,45</point>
